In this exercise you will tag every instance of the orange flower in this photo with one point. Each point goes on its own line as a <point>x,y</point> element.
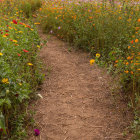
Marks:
<point>139,20</point>
<point>126,71</point>
<point>132,72</point>
<point>129,47</point>
<point>127,63</point>
<point>137,28</point>
<point>136,41</point>
<point>128,58</point>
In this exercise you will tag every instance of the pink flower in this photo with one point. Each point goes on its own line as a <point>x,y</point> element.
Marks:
<point>37,132</point>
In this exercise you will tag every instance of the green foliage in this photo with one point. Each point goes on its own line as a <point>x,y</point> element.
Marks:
<point>30,6</point>
<point>20,69</point>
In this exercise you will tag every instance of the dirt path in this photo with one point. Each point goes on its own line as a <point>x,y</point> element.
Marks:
<point>76,104</point>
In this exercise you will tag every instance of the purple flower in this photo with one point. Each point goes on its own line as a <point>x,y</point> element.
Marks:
<point>59,27</point>
<point>37,132</point>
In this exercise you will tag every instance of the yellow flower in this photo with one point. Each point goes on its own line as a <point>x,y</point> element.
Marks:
<point>1,54</point>
<point>136,41</point>
<point>38,46</point>
<point>15,41</point>
<point>30,64</point>
<point>98,55</point>
<point>10,28</point>
<point>20,31</point>
<point>4,35</point>
<point>37,23</point>
<point>20,84</point>
<point>92,61</point>
<point>5,81</point>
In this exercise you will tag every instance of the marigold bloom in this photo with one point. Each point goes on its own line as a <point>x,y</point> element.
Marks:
<point>129,47</point>
<point>92,61</point>
<point>5,81</point>
<point>126,71</point>
<point>128,58</point>
<point>136,41</point>
<point>132,72</point>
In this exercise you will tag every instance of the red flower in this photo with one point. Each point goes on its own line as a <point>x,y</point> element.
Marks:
<point>19,54</point>
<point>28,26</point>
<point>6,30</point>
<point>1,32</point>
<point>6,34</point>
<point>25,50</point>
<point>21,23</point>
<point>132,42</point>
<point>14,21</point>
<point>7,25</point>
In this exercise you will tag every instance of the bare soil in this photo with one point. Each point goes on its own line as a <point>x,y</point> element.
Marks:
<point>77,102</point>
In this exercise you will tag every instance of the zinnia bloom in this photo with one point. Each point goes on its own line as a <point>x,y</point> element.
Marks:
<point>30,64</point>
<point>14,21</point>
<point>37,132</point>
<point>5,81</point>
<point>98,55</point>
<point>37,23</point>
<point>132,42</point>
<point>19,54</point>
<point>92,61</point>
<point>25,50</point>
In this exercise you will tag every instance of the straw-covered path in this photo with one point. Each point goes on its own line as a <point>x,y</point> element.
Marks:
<point>77,102</point>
